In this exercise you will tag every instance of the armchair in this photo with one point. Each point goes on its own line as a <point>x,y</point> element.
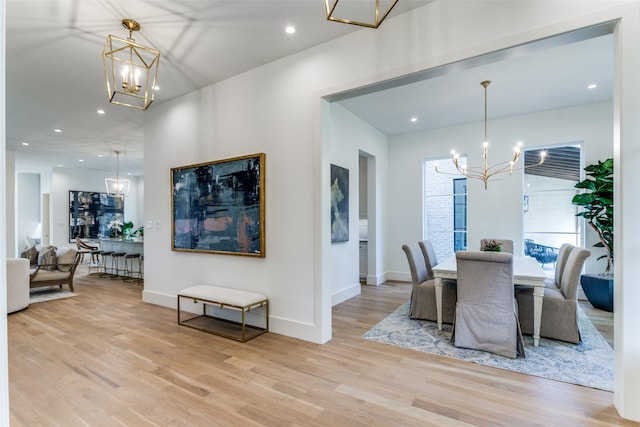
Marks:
<point>85,248</point>
<point>58,274</point>
<point>17,284</point>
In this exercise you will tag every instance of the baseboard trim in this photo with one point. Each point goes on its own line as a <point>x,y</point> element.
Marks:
<point>345,294</point>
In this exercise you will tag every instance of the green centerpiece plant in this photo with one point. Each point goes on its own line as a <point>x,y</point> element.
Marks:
<point>491,246</point>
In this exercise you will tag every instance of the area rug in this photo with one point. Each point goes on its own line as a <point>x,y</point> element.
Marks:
<point>588,364</point>
<point>49,294</point>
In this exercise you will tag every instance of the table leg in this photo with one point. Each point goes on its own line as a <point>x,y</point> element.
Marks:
<point>438,283</point>
<point>538,293</point>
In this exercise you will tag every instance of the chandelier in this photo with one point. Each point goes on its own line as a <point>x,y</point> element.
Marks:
<point>488,173</point>
<point>352,8</point>
<point>116,186</point>
<point>130,69</point>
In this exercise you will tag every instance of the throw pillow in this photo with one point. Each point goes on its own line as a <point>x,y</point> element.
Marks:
<point>48,259</point>
<point>31,254</point>
<point>65,256</point>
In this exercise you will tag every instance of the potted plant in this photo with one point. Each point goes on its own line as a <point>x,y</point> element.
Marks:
<point>490,246</point>
<point>597,210</point>
<point>115,228</point>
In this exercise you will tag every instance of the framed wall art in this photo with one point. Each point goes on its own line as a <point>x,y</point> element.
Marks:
<point>218,207</point>
<point>90,212</point>
<point>339,204</point>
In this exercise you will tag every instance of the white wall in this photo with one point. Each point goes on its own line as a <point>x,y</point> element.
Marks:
<point>10,199</point>
<point>349,135</point>
<point>64,180</point>
<point>497,211</point>
<point>276,109</point>
<point>7,160</point>
<point>28,201</point>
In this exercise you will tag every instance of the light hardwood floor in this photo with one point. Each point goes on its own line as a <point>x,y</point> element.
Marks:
<point>104,358</point>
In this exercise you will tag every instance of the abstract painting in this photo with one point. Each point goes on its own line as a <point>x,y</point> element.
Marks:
<point>339,204</point>
<point>90,212</point>
<point>218,207</point>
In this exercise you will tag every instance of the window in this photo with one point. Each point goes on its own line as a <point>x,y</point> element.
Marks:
<point>445,207</point>
<point>548,214</point>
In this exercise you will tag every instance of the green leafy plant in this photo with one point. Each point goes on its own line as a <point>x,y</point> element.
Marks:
<point>491,246</point>
<point>597,205</point>
<point>127,227</point>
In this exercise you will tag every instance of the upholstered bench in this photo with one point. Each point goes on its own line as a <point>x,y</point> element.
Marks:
<point>223,299</point>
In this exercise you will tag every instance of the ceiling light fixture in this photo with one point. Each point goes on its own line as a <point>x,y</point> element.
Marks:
<point>353,8</point>
<point>130,69</point>
<point>290,29</point>
<point>116,186</point>
<point>498,171</point>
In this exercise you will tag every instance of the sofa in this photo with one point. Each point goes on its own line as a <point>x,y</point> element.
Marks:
<point>17,284</point>
<point>54,267</point>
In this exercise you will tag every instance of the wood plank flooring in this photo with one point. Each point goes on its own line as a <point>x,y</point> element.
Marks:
<point>104,358</point>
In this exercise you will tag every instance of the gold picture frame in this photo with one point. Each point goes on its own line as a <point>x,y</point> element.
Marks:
<point>218,207</point>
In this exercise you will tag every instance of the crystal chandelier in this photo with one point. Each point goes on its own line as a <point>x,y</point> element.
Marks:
<point>130,69</point>
<point>353,8</point>
<point>498,171</point>
<point>116,186</point>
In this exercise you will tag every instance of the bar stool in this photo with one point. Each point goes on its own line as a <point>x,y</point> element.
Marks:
<point>131,274</point>
<point>104,258</point>
<point>95,262</point>
<point>117,266</point>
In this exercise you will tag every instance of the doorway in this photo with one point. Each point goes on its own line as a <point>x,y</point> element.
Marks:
<point>367,217</point>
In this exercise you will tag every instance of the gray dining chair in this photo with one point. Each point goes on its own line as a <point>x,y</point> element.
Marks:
<point>485,310</point>
<point>561,261</point>
<point>429,254</point>
<point>505,245</point>
<point>423,291</point>
<point>559,306</point>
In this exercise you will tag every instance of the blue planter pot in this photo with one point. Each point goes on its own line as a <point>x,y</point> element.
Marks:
<point>599,291</point>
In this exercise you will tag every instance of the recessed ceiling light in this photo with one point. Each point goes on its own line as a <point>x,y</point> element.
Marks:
<point>290,29</point>
<point>100,111</point>
<point>100,155</point>
<point>57,130</point>
<point>25,143</point>
<point>592,86</point>
<point>414,119</point>
<point>81,160</point>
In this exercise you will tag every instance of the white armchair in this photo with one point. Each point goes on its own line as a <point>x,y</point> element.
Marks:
<point>17,284</point>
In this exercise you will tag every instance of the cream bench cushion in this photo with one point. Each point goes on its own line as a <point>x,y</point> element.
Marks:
<point>223,296</point>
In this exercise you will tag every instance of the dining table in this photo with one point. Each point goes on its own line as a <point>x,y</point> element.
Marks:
<point>526,272</point>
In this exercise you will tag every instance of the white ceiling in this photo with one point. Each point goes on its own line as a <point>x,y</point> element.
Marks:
<point>528,80</point>
<point>55,76</point>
